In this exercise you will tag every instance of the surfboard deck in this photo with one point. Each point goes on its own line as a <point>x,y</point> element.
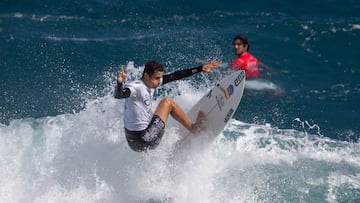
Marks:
<point>218,105</point>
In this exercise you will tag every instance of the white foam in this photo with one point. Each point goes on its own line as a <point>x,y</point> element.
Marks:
<point>350,183</point>
<point>261,84</point>
<point>84,157</point>
<point>355,26</point>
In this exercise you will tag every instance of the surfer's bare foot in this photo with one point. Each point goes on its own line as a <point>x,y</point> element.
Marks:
<point>199,125</point>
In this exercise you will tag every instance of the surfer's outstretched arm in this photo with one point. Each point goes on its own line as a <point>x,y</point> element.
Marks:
<point>177,75</point>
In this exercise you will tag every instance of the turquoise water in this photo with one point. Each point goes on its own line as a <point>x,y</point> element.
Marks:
<point>61,133</point>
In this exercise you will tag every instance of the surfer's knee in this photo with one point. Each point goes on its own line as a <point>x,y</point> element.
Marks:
<point>166,101</point>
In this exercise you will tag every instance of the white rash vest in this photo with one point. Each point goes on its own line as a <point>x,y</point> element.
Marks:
<point>138,108</point>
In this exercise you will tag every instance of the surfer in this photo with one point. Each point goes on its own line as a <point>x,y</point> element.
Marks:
<point>245,61</point>
<point>251,65</point>
<point>144,127</point>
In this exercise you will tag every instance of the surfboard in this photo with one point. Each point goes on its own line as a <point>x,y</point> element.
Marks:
<point>219,105</point>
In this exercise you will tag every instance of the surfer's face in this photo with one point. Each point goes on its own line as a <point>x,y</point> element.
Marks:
<point>239,47</point>
<point>154,80</point>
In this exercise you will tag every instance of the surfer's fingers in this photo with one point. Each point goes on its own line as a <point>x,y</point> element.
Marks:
<point>215,63</point>
<point>126,71</point>
<point>201,61</point>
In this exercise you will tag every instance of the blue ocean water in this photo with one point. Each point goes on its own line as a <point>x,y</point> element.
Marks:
<point>61,136</point>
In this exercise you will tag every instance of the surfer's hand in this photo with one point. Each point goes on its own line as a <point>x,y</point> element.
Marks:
<point>208,67</point>
<point>122,74</point>
<point>201,61</point>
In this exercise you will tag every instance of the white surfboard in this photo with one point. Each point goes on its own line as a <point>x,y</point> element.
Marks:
<point>219,105</point>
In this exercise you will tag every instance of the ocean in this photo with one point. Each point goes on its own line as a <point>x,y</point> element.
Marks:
<point>61,130</point>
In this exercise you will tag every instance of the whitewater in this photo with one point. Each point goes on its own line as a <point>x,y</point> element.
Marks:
<point>84,157</point>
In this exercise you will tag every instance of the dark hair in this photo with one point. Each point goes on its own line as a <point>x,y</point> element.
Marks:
<point>243,39</point>
<point>152,66</point>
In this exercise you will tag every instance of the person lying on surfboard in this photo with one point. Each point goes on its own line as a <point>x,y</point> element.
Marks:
<point>144,127</point>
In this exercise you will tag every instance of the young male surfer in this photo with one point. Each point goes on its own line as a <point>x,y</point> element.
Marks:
<point>144,127</point>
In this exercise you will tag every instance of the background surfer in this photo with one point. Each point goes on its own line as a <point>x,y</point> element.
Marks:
<point>245,61</point>
<point>251,65</point>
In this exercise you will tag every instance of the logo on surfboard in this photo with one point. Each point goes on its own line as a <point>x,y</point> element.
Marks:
<point>228,115</point>
<point>228,91</point>
<point>239,78</point>
<point>220,101</point>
